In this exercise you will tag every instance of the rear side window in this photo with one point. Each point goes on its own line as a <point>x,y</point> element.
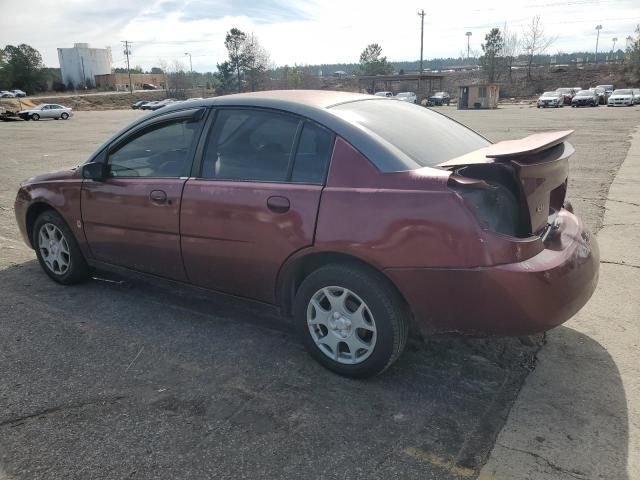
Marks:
<point>250,145</point>
<point>427,137</point>
<point>312,156</point>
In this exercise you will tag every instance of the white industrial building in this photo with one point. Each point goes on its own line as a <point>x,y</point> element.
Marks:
<point>79,65</point>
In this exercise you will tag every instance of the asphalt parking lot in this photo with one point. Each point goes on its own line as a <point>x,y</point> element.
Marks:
<point>127,378</point>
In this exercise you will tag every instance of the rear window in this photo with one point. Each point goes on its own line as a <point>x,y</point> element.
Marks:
<point>425,136</point>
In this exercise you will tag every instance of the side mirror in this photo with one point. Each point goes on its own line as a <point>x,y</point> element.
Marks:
<point>95,171</point>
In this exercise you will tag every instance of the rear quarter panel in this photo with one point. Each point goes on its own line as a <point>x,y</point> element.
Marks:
<point>404,219</point>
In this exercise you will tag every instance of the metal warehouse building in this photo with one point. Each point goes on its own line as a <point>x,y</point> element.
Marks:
<point>79,65</point>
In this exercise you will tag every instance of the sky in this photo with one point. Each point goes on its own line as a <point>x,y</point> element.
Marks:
<point>302,32</point>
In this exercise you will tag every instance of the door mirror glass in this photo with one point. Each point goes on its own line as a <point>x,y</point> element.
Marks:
<point>95,171</point>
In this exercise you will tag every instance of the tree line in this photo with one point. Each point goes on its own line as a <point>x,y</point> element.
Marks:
<point>248,66</point>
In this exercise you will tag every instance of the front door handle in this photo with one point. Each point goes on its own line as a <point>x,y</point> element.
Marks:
<point>278,204</point>
<point>158,196</point>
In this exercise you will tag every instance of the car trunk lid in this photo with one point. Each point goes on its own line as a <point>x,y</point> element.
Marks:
<point>534,169</point>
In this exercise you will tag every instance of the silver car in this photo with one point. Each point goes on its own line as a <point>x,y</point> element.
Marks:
<point>46,110</point>
<point>407,97</point>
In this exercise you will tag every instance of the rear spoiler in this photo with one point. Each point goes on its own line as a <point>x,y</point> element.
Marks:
<point>510,149</point>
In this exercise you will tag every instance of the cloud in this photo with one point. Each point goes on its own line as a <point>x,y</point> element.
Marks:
<point>300,31</point>
<point>261,12</point>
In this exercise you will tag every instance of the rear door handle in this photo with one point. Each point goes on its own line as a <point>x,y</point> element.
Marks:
<point>158,196</point>
<point>278,204</point>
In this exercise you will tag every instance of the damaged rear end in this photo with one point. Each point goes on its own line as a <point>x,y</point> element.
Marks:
<point>542,262</point>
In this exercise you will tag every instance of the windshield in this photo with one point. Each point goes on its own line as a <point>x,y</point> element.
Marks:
<point>439,94</point>
<point>584,93</point>
<point>563,90</point>
<point>550,94</point>
<point>404,94</point>
<point>622,92</point>
<point>425,136</point>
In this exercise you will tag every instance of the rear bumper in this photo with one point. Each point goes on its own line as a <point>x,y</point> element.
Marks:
<point>513,299</point>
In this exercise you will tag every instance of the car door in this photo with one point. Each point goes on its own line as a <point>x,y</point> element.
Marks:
<point>253,200</point>
<point>45,112</point>
<point>132,218</point>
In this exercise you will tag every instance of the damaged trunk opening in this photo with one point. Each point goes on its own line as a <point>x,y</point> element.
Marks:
<point>516,187</point>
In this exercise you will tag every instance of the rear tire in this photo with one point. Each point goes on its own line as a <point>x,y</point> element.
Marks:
<point>57,250</point>
<point>351,320</point>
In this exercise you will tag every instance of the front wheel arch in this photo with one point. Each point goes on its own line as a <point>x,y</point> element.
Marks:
<point>34,212</point>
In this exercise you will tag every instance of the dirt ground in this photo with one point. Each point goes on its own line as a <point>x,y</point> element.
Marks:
<point>124,377</point>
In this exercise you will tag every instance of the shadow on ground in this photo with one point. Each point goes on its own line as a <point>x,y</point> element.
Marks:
<point>136,379</point>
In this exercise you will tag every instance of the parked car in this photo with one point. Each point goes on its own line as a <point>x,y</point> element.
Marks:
<point>551,99</point>
<point>149,86</point>
<point>46,110</point>
<point>585,98</point>
<point>355,229</point>
<point>636,96</point>
<point>148,105</point>
<point>162,103</point>
<point>439,99</point>
<point>621,98</point>
<point>6,94</point>
<point>567,94</point>
<point>602,94</point>
<point>407,97</point>
<point>19,93</point>
<point>384,94</point>
<point>139,104</point>
<point>608,91</point>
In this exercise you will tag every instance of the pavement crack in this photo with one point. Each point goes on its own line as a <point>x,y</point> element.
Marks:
<point>58,408</point>
<point>623,264</point>
<point>623,201</point>
<point>574,474</point>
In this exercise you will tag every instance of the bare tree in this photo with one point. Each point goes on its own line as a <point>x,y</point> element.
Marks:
<point>257,62</point>
<point>534,41</point>
<point>177,80</point>
<point>510,49</point>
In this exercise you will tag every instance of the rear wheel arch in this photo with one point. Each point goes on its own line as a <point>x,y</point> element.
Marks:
<point>293,274</point>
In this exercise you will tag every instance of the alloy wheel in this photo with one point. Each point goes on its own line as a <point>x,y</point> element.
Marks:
<point>54,249</point>
<point>341,325</point>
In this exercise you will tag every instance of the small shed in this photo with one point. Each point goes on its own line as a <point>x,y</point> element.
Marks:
<point>484,95</point>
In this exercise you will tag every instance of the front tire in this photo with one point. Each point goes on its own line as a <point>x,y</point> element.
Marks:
<point>64,116</point>
<point>57,250</point>
<point>351,320</point>
<point>35,116</point>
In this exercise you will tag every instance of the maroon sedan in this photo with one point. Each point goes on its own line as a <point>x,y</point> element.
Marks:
<point>359,216</point>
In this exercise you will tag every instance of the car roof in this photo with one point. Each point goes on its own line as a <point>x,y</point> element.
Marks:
<point>314,105</point>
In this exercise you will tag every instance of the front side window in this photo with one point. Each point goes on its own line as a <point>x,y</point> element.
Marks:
<point>250,145</point>
<point>163,150</point>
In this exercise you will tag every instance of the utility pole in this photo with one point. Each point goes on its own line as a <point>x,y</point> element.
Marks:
<point>598,28</point>
<point>421,14</point>
<point>190,67</point>
<point>468,34</point>
<point>613,49</point>
<point>127,52</point>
